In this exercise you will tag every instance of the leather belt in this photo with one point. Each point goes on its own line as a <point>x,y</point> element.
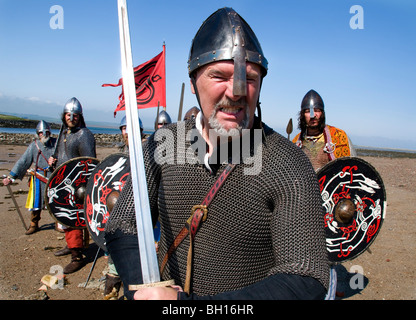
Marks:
<point>198,213</point>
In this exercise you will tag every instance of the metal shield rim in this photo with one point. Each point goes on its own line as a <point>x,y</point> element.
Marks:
<point>46,199</point>
<point>384,205</point>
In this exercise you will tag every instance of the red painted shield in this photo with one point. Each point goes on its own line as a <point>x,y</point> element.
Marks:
<point>103,189</point>
<point>355,204</point>
<point>65,191</point>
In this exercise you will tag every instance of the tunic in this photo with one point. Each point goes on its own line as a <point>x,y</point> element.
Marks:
<point>333,143</point>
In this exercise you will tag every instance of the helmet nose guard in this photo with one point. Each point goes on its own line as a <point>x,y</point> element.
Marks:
<point>225,35</point>
<point>311,109</point>
<point>312,100</point>
<point>164,118</point>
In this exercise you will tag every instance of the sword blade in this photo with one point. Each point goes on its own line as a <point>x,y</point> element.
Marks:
<point>150,269</point>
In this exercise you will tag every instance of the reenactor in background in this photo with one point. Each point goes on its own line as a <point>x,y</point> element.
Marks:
<point>75,140</point>
<point>321,142</point>
<point>38,153</point>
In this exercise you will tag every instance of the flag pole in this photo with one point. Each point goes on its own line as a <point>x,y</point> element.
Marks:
<point>181,103</point>
<point>157,116</point>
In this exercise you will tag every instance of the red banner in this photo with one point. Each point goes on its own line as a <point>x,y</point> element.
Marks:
<point>150,79</point>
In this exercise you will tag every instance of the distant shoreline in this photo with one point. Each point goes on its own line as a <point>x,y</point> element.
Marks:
<point>22,123</point>
<point>385,153</point>
<point>24,139</point>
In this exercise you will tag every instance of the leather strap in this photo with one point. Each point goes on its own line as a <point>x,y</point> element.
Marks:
<point>329,146</point>
<point>198,213</point>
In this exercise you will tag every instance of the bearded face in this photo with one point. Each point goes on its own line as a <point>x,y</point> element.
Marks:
<point>226,113</point>
<point>316,123</point>
<point>124,135</point>
<point>72,120</point>
<point>228,105</point>
<point>44,138</point>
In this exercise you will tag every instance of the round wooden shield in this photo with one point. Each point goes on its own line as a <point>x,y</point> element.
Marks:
<point>355,204</point>
<point>65,191</point>
<point>103,189</point>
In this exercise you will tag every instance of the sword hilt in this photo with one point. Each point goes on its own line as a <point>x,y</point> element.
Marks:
<point>133,287</point>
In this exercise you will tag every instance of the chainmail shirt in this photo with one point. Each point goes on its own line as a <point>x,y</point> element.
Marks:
<point>74,143</point>
<point>257,225</point>
<point>37,153</point>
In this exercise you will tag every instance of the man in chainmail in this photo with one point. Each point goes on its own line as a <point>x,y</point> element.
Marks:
<point>37,153</point>
<point>124,147</point>
<point>321,142</point>
<point>263,237</point>
<point>191,113</point>
<point>163,119</point>
<point>112,278</point>
<point>75,140</point>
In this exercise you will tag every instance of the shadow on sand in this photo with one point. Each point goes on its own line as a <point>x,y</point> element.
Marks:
<point>349,283</point>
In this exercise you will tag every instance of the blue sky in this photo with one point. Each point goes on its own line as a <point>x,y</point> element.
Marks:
<point>365,76</point>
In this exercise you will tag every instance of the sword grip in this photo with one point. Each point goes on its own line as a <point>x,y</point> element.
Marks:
<point>167,283</point>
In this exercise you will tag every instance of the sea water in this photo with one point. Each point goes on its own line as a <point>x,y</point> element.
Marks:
<point>94,130</point>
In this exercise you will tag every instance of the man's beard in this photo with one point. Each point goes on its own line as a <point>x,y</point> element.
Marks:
<point>233,132</point>
<point>318,125</point>
<point>45,139</point>
<point>125,139</point>
<point>71,124</point>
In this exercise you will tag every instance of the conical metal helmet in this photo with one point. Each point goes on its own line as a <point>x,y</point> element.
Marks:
<point>225,35</point>
<point>163,118</point>
<point>191,113</point>
<point>73,106</point>
<point>43,126</point>
<point>312,100</point>
<point>123,123</point>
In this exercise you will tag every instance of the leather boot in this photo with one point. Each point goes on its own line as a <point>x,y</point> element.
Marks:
<point>62,252</point>
<point>77,261</point>
<point>34,222</point>
<point>112,287</point>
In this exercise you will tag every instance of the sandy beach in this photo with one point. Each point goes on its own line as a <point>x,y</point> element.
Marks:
<point>388,270</point>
